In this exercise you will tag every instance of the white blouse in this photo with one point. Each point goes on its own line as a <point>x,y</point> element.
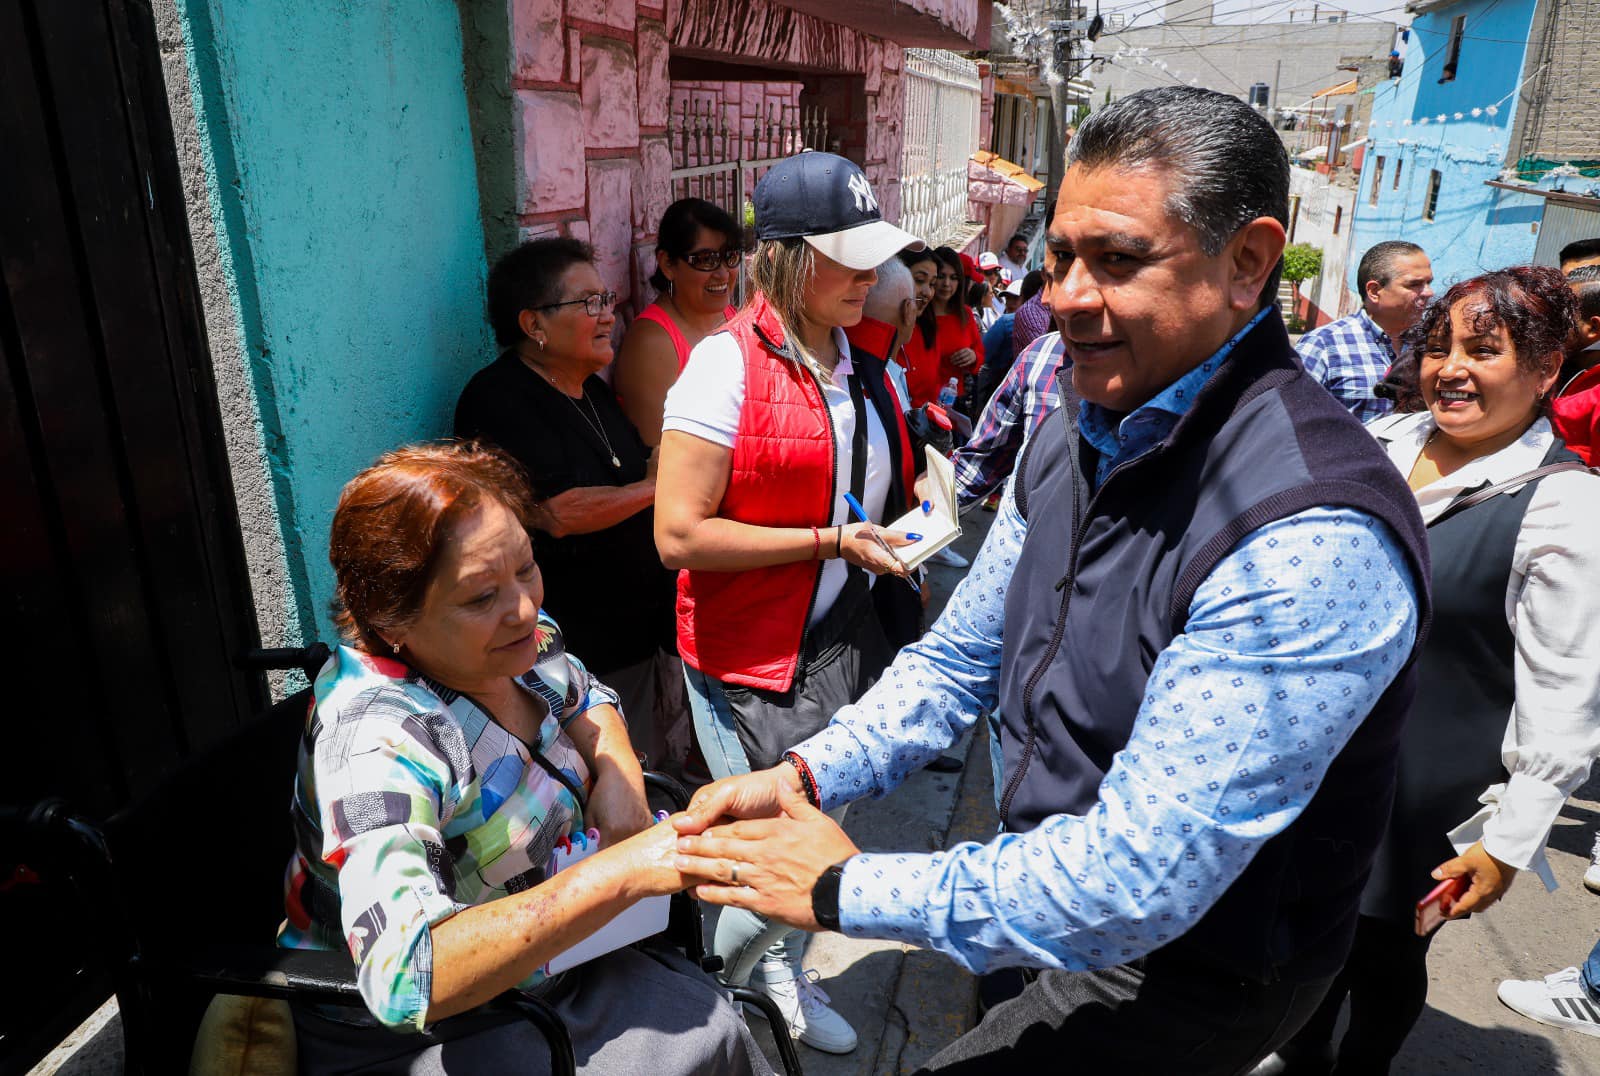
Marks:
<point>708,398</point>
<point>1553,609</point>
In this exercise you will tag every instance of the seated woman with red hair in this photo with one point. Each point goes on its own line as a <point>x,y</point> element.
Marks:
<point>453,743</point>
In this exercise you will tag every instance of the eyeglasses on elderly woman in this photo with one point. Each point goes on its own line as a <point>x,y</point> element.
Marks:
<point>593,305</point>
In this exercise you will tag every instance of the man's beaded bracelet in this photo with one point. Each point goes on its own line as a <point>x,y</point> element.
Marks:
<point>808,783</point>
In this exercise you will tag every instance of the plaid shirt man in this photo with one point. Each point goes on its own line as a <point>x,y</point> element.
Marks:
<point>1349,357</point>
<point>1033,321</point>
<point>1031,390</point>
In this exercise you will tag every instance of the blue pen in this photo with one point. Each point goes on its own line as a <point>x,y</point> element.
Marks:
<point>861,514</point>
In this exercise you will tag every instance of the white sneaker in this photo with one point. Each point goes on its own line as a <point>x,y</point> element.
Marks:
<point>1558,1000</point>
<point>804,1005</point>
<point>950,559</point>
<point>1591,877</point>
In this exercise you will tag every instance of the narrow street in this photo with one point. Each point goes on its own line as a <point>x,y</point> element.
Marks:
<point>1528,935</point>
<point>250,250</point>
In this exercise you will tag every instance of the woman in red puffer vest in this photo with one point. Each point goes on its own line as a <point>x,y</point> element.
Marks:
<point>772,422</point>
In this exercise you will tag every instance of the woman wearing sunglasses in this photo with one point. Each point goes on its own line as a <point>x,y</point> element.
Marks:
<point>698,251</point>
<point>592,476</point>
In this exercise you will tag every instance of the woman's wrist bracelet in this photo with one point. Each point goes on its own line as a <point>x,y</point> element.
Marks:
<point>816,543</point>
<point>838,541</point>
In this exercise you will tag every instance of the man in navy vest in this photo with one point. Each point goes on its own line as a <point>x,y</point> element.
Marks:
<point>1196,612</point>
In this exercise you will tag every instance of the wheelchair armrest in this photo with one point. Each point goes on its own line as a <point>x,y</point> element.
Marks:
<point>675,793</point>
<point>563,1060</point>
<point>327,977</point>
<point>769,1009</point>
<point>263,971</point>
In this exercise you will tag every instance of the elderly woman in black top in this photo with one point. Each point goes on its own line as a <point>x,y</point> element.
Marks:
<point>542,401</point>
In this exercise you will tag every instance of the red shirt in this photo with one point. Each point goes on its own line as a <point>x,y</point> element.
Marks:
<point>928,369</point>
<point>1575,414</point>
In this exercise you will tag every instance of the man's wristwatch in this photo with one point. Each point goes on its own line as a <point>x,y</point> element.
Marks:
<point>825,897</point>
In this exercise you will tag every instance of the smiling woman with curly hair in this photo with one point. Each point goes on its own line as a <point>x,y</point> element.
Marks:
<point>1507,714</point>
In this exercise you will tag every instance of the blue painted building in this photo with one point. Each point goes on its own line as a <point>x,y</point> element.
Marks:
<point>339,224</point>
<point>1439,135</point>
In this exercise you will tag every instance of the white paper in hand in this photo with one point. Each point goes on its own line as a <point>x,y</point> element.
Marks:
<point>634,923</point>
<point>939,527</point>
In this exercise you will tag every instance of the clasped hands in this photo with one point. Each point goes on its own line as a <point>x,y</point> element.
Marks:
<point>755,842</point>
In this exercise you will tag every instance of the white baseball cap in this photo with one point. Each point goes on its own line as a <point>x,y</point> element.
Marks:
<point>988,260</point>
<point>1013,288</point>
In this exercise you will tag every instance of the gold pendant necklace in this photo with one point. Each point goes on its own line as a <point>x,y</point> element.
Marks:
<point>594,424</point>
<point>583,394</point>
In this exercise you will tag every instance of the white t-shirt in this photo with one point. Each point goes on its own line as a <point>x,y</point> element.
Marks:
<point>1017,271</point>
<point>706,402</point>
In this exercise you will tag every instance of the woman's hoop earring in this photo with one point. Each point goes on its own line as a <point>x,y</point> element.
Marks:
<point>396,648</point>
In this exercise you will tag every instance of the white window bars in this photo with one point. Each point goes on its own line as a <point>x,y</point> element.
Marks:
<point>942,103</point>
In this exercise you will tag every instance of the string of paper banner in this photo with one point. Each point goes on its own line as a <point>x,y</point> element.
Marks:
<point>1420,121</point>
<point>1316,113</point>
<point>1137,55</point>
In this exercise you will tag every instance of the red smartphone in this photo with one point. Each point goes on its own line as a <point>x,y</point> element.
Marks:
<point>1432,908</point>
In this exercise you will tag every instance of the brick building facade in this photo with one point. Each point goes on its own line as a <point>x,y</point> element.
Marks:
<point>1563,71</point>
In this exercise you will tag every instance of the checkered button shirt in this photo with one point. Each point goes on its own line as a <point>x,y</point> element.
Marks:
<point>1349,357</point>
<point>1030,391</point>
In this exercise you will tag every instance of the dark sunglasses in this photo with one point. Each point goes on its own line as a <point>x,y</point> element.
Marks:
<point>706,261</point>
<point>593,305</point>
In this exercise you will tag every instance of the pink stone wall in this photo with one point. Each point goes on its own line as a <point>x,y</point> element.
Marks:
<point>593,92</point>
<point>885,128</point>
<point>979,207</point>
<point>591,86</point>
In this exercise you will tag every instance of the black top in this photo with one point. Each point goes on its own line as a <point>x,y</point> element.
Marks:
<point>1450,749</point>
<point>607,589</point>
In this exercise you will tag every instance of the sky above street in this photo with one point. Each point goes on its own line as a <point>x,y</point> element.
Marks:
<point>1148,12</point>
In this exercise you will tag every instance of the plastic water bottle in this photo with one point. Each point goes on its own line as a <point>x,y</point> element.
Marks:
<point>948,394</point>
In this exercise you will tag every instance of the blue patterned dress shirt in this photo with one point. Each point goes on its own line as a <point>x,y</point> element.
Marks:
<point>1348,357</point>
<point>1287,646</point>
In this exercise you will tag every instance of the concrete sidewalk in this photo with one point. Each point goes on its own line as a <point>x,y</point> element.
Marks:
<point>905,1004</point>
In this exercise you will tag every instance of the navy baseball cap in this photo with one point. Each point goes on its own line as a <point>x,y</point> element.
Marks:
<point>826,200</point>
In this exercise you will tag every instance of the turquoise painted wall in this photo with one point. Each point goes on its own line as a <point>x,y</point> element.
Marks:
<point>1475,227</point>
<point>344,185</point>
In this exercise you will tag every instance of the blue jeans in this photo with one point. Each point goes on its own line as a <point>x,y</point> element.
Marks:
<point>742,937</point>
<point>1589,973</point>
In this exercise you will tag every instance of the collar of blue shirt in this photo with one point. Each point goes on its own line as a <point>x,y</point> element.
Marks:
<point>1375,331</point>
<point>1117,437</point>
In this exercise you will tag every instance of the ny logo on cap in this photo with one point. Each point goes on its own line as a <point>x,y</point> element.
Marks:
<point>863,191</point>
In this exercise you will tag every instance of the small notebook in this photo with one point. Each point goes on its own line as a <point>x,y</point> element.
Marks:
<point>939,527</point>
<point>634,923</point>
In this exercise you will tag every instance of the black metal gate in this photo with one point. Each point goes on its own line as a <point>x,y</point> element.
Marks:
<point>126,593</point>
